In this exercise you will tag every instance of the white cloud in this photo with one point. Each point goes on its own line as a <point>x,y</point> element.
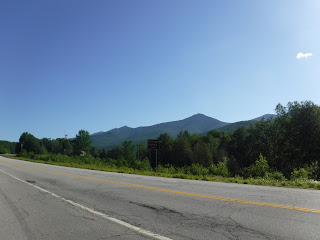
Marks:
<point>303,55</point>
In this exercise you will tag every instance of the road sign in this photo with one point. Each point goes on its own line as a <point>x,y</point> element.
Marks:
<point>153,144</point>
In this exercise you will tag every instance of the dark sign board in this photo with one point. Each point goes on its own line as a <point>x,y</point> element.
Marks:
<point>153,144</point>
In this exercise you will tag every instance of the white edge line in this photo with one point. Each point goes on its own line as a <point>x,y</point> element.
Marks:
<point>100,214</point>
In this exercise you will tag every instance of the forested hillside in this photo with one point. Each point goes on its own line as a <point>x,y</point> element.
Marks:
<point>198,123</point>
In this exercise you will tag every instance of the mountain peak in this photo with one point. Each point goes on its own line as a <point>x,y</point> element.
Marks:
<point>197,123</point>
<point>198,115</point>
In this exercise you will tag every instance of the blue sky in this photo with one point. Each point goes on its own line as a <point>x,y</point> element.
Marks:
<point>98,65</point>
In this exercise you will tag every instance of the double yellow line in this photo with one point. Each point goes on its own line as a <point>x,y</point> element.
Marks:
<point>171,191</point>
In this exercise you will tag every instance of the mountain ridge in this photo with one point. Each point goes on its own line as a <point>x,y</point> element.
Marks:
<point>197,123</point>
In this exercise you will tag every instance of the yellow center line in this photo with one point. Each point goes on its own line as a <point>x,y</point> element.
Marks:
<point>171,191</point>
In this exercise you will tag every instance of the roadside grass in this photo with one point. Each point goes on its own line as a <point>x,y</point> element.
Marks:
<point>171,172</point>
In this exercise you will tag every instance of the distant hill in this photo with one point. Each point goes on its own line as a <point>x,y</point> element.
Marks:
<point>198,123</point>
<point>265,117</point>
<point>233,126</point>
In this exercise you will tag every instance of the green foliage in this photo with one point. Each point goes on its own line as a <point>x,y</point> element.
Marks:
<point>220,169</point>
<point>199,172</point>
<point>65,146</point>
<point>297,141</point>
<point>315,170</point>
<point>278,176</point>
<point>181,151</point>
<point>290,142</point>
<point>167,169</point>
<point>259,169</point>
<point>143,165</point>
<point>197,169</point>
<point>261,166</point>
<point>4,150</point>
<point>233,166</point>
<point>165,153</point>
<point>142,151</point>
<point>31,144</point>
<point>301,173</point>
<point>115,153</point>
<point>202,154</point>
<point>82,142</point>
<point>7,147</point>
<point>129,152</point>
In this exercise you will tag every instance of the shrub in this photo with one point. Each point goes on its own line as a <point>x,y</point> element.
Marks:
<point>111,162</point>
<point>275,176</point>
<point>197,169</point>
<point>167,169</point>
<point>301,173</point>
<point>233,166</point>
<point>121,162</point>
<point>143,165</point>
<point>315,170</point>
<point>259,169</point>
<point>4,150</point>
<point>220,169</point>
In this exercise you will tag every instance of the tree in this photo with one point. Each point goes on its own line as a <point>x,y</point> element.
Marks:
<point>202,154</point>
<point>260,140</point>
<point>182,152</point>
<point>7,147</point>
<point>51,146</point>
<point>213,140</point>
<point>259,169</point>
<point>142,151</point>
<point>298,130</point>
<point>103,154</point>
<point>115,153</point>
<point>165,152</point>
<point>64,146</point>
<point>238,147</point>
<point>82,142</point>
<point>30,143</point>
<point>129,151</point>
<point>223,150</point>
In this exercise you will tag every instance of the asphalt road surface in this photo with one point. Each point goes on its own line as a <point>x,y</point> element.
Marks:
<point>39,201</point>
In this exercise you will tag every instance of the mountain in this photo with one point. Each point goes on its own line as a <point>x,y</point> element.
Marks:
<point>198,123</point>
<point>233,126</point>
<point>264,117</point>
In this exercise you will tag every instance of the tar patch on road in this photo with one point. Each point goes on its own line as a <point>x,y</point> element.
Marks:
<point>31,181</point>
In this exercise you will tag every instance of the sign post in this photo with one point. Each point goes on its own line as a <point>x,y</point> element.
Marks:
<point>154,144</point>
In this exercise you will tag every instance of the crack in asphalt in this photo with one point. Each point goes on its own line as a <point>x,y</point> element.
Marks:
<point>20,216</point>
<point>161,209</point>
<point>221,225</point>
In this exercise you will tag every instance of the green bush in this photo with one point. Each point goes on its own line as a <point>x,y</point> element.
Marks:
<point>259,169</point>
<point>197,170</point>
<point>4,150</point>
<point>301,173</point>
<point>275,176</point>
<point>143,165</point>
<point>110,162</point>
<point>220,169</point>
<point>167,169</point>
<point>315,170</point>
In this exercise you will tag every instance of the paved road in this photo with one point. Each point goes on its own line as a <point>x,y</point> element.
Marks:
<point>39,201</point>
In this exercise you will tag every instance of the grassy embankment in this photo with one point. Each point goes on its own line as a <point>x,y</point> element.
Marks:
<point>183,173</point>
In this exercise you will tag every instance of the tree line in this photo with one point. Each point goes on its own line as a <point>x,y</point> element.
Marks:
<point>286,145</point>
